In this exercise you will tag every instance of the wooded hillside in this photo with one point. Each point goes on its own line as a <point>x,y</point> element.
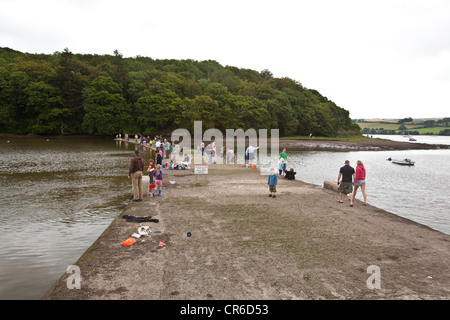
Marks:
<point>67,93</point>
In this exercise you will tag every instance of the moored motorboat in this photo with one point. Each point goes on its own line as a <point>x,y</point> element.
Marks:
<point>405,162</point>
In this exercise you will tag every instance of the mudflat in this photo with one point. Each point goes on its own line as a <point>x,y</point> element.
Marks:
<point>364,145</point>
<point>224,238</point>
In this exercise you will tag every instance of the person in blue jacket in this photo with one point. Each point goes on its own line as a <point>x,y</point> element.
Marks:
<point>272,182</point>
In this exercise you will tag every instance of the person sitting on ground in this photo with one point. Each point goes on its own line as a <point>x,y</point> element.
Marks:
<point>186,162</point>
<point>174,162</point>
<point>290,174</point>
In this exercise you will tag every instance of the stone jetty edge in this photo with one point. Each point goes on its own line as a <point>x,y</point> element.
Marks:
<point>123,283</point>
<point>92,258</point>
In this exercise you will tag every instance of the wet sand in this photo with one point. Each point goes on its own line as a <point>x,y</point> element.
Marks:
<point>245,245</point>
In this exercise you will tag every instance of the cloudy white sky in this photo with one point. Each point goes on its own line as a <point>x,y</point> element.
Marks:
<point>384,58</point>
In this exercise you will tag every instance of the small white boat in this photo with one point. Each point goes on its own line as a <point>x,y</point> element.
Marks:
<point>412,139</point>
<point>405,162</point>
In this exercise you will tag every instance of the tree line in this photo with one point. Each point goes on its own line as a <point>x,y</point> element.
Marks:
<point>67,93</point>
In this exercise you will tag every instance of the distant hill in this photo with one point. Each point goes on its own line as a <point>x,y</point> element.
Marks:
<point>69,93</point>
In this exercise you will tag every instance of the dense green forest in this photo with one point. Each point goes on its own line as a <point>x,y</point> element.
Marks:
<point>67,93</point>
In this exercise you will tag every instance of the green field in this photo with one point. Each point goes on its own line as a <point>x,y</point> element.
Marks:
<point>433,130</point>
<point>386,126</point>
<point>348,139</point>
<point>391,126</point>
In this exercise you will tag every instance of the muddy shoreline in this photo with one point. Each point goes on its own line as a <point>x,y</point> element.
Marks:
<point>297,145</point>
<point>366,145</point>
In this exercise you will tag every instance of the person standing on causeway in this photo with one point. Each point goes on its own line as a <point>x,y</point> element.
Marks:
<point>158,180</point>
<point>135,173</point>
<point>346,185</point>
<point>272,182</point>
<point>360,181</point>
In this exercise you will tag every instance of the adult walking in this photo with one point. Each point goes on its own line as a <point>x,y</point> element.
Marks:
<point>135,173</point>
<point>346,185</point>
<point>360,181</point>
<point>167,149</point>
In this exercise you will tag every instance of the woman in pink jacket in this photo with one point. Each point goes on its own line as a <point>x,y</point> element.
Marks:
<point>360,181</point>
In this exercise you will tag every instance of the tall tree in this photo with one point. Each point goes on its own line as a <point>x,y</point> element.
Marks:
<point>119,73</point>
<point>107,112</point>
<point>266,74</point>
<point>157,109</point>
<point>71,83</point>
<point>46,102</point>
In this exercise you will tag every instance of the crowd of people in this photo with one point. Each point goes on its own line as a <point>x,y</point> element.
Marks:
<point>163,151</point>
<point>212,153</point>
<point>349,179</point>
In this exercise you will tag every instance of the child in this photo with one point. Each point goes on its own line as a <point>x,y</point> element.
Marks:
<point>272,182</point>
<point>280,166</point>
<point>158,179</point>
<point>158,158</point>
<point>151,168</point>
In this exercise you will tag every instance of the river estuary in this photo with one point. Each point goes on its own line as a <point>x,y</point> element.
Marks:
<point>59,194</point>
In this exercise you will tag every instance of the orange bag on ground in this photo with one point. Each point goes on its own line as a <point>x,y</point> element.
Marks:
<point>129,242</point>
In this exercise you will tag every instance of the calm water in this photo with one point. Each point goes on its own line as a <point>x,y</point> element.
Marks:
<point>57,198</point>
<point>59,195</point>
<point>420,192</point>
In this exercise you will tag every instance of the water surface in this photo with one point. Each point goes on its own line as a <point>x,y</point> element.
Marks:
<point>420,192</point>
<point>58,195</point>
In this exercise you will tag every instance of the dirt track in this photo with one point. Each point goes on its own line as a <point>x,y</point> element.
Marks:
<point>245,245</point>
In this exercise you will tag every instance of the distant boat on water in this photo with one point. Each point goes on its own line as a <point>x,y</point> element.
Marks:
<point>410,138</point>
<point>405,162</point>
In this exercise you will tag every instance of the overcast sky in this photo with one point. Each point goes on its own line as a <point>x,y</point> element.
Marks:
<point>384,58</point>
